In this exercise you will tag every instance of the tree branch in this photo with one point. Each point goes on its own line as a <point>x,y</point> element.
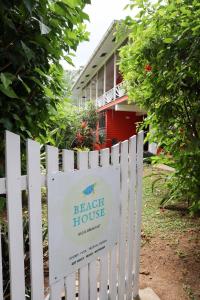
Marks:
<point>6,66</point>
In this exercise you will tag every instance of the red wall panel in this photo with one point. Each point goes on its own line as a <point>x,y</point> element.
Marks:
<point>120,125</point>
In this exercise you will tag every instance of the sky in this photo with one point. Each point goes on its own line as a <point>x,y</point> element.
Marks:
<point>101,13</point>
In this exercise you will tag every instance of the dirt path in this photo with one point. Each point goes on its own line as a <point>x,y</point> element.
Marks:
<point>172,267</point>
<point>170,256</point>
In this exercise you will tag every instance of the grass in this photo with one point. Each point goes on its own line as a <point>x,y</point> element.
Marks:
<point>189,291</point>
<point>157,220</point>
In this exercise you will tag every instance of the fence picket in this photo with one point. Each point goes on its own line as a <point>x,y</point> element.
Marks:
<point>82,160</point>
<point>93,159</point>
<point>103,292</point>
<point>68,160</point>
<point>14,206</point>
<point>70,281</point>
<point>2,185</point>
<point>131,214</point>
<point>56,290</point>
<point>1,274</point>
<point>51,159</point>
<point>35,220</point>
<point>70,287</point>
<point>123,218</point>
<point>113,260</point>
<point>52,167</point>
<point>139,161</point>
<point>93,163</point>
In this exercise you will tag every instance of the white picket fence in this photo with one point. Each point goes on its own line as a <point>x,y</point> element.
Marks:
<point>113,276</point>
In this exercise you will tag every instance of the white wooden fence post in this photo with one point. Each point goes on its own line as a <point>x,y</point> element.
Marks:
<point>140,138</point>
<point>113,260</point>
<point>35,220</point>
<point>93,163</point>
<point>123,218</point>
<point>103,289</point>
<point>82,159</point>
<point>52,167</point>
<point>1,274</point>
<point>15,224</point>
<point>70,281</point>
<point>131,215</point>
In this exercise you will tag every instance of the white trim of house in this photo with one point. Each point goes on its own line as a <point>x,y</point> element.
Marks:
<point>106,45</point>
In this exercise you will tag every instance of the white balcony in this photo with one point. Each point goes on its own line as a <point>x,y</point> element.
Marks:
<point>116,92</point>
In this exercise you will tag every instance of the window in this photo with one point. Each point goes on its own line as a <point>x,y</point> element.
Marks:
<point>102,120</point>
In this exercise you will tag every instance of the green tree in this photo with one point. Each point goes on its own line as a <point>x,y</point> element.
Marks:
<point>62,125</point>
<point>161,67</point>
<point>86,136</point>
<point>69,78</point>
<point>69,127</point>
<point>34,36</point>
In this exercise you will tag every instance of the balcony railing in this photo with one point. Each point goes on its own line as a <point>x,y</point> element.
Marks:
<point>116,92</point>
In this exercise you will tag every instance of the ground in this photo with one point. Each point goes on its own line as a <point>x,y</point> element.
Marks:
<point>170,254</point>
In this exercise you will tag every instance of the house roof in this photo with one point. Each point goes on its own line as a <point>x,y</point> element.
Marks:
<point>103,51</point>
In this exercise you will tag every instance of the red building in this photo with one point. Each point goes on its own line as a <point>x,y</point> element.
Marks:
<point>117,125</point>
<point>101,82</point>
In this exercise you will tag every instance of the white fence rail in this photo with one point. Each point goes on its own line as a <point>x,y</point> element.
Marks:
<point>114,275</point>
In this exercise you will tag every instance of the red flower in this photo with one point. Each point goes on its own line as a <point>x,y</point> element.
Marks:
<point>79,137</point>
<point>148,68</point>
<point>83,124</point>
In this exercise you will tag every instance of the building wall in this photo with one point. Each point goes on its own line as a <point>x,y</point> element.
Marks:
<point>120,126</point>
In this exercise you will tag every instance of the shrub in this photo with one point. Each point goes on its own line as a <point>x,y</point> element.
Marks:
<point>161,67</point>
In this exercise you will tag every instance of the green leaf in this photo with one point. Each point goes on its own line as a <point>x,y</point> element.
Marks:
<point>39,71</point>
<point>60,9</point>
<point>6,79</point>
<point>71,34</point>
<point>44,28</point>
<point>84,16</point>
<point>16,117</point>
<point>9,92</point>
<point>29,5</point>
<point>168,40</point>
<point>48,92</point>
<point>37,81</point>
<point>29,53</point>
<point>69,60</point>
<point>24,84</point>
<point>196,28</point>
<point>7,123</point>
<point>71,3</point>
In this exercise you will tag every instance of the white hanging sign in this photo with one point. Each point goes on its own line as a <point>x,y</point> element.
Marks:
<point>83,216</point>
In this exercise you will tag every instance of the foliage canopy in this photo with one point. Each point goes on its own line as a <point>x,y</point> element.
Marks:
<point>161,67</point>
<point>34,36</point>
<point>69,128</point>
